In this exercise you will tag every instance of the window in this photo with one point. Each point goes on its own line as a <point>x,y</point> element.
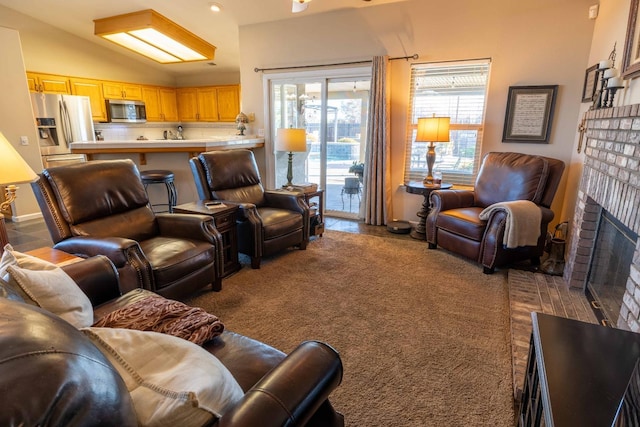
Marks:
<point>456,90</point>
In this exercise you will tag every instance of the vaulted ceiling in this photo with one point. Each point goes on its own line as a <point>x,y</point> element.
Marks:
<point>220,29</point>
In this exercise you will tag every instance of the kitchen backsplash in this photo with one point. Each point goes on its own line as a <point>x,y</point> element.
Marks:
<point>155,130</point>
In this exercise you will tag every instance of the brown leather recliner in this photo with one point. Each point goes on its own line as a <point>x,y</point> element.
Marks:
<point>51,374</point>
<point>101,208</point>
<point>269,221</point>
<point>454,220</point>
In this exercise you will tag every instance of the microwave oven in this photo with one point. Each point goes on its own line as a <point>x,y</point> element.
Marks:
<point>123,111</point>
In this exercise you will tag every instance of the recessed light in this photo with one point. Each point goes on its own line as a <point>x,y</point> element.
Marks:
<point>215,7</point>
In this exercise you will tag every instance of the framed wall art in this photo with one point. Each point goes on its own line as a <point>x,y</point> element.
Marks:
<point>590,84</point>
<point>631,58</point>
<point>529,113</point>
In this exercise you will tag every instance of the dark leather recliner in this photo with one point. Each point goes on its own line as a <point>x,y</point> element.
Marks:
<point>51,374</point>
<point>101,208</point>
<point>269,221</point>
<point>454,220</point>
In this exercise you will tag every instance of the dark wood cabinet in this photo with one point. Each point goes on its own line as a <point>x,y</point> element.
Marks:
<point>577,373</point>
<point>224,218</point>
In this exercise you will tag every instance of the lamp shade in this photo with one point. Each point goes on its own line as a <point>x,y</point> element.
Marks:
<point>14,169</point>
<point>433,129</point>
<point>289,139</point>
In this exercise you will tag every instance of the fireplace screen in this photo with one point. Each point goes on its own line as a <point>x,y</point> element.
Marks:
<point>609,271</point>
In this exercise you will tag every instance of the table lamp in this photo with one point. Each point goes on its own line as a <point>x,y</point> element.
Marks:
<point>241,120</point>
<point>431,130</point>
<point>291,140</point>
<point>14,170</point>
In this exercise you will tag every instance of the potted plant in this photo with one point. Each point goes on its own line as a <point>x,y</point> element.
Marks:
<point>357,168</point>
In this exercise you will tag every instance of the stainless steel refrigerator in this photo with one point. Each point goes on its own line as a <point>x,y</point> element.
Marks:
<point>61,120</point>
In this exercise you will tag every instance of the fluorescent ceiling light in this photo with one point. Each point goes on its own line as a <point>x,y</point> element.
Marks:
<point>154,36</point>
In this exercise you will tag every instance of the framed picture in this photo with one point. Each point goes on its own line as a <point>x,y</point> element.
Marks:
<point>529,113</point>
<point>590,84</point>
<point>631,58</point>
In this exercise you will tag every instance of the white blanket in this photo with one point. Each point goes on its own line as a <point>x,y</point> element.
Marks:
<point>523,222</point>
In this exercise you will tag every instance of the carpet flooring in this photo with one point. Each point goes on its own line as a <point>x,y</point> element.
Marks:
<point>423,335</point>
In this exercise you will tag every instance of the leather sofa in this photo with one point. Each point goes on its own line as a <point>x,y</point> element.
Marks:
<point>268,221</point>
<point>51,374</point>
<point>101,208</point>
<point>454,221</point>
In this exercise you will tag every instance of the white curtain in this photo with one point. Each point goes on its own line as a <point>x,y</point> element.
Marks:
<point>377,173</point>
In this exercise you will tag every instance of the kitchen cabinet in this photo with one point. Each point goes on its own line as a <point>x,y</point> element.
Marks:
<point>161,104</point>
<point>115,90</point>
<point>48,83</point>
<point>209,103</point>
<point>228,102</point>
<point>92,89</point>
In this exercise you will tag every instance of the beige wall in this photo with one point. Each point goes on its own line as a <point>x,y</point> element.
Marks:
<point>16,117</point>
<point>540,42</point>
<point>610,30</point>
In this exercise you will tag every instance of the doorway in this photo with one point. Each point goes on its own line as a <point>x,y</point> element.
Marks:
<point>332,107</point>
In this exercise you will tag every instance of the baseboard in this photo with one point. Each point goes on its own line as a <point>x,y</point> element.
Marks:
<point>28,217</point>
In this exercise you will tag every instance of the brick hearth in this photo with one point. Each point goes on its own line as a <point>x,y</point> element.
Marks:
<point>610,181</point>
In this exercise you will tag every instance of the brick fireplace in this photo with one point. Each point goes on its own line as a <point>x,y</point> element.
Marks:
<point>610,181</point>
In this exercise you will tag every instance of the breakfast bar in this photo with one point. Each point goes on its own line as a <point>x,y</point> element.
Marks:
<point>169,154</point>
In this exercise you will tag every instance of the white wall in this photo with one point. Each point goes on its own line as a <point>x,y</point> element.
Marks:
<point>540,42</point>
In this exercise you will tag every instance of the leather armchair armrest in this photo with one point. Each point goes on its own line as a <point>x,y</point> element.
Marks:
<point>190,226</point>
<point>286,200</point>
<point>292,391</point>
<point>97,277</point>
<point>117,249</point>
<point>547,215</point>
<point>442,200</point>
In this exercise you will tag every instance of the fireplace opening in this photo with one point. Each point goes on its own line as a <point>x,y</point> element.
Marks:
<point>609,270</point>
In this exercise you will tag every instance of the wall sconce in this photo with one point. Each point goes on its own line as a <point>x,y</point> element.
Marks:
<point>150,34</point>
<point>14,170</point>
<point>432,129</point>
<point>291,140</point>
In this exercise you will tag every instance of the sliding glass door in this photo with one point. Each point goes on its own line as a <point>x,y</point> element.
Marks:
<point>333,109</point>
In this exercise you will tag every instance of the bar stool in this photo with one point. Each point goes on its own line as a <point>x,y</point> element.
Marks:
<point>165,177</point>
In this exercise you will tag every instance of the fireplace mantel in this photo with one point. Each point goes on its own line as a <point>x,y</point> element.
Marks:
<point>610,180</point>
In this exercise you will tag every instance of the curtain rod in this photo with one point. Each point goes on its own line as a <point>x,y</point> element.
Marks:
<point>257,70</point>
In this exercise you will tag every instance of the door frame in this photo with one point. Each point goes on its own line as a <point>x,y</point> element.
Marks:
<point>293,77</point>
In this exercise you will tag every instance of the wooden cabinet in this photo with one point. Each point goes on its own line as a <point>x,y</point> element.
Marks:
<point>115,90</point>
<point>92,89</point>
<point>228,102</point>
<point>48,83</point>
<point>161,104</point>
<point>577,373</point>
<point>209,103</point>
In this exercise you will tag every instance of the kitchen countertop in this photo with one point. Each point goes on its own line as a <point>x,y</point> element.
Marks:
<point>152,145</point>
<point>142,147</point>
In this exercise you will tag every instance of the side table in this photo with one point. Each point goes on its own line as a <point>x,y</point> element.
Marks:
<point>316,218</point>
<point>417,187</point>
<point>224,218</point>
<point>54,256</point>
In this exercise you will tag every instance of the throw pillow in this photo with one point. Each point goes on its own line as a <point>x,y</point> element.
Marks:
<point>44,284</point>
<point>159,314</point>
<point>171,381</point>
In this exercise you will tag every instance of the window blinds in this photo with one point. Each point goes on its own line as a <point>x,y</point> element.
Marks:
<point>456,90</point>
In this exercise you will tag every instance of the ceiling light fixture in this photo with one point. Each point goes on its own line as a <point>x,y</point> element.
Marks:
<point>150,34</point>
<point>299,5</point>
<point>215,7</point>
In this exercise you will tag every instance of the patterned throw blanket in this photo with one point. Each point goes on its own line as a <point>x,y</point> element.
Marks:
<point>523,222</point>
<point>159,314</point>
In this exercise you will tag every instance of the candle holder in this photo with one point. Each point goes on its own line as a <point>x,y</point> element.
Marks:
<point>607,71</point>
<point>612,94</point>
